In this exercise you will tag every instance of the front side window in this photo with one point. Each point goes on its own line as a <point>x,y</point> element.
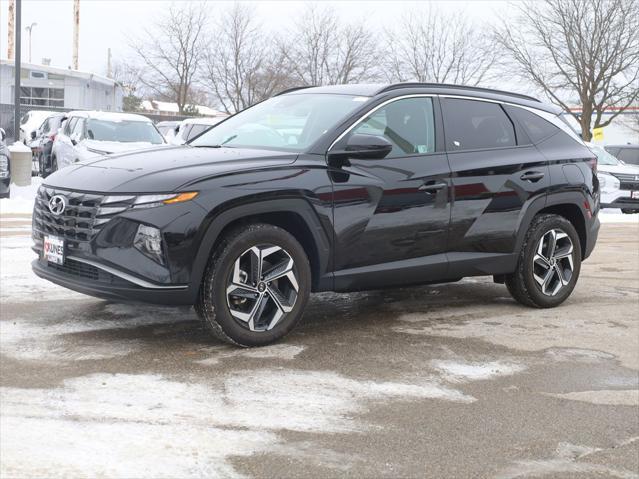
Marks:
<point>123,131</point>
<point>288,122</point>
<point>474,124</point>
<point>408,124</point>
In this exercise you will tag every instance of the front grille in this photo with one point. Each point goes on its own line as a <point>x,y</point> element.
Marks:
<point>77,269</point>
<point>627,182</point>
<point>83,216</point>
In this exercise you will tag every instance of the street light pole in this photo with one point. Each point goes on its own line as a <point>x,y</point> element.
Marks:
<point>29,29</point>
<point>16,93</point>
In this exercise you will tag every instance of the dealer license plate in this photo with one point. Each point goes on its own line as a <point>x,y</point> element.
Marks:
<point>54,249</point>
<point>634,195</point>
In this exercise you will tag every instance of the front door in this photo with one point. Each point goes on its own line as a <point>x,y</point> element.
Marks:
<point>391,216</point>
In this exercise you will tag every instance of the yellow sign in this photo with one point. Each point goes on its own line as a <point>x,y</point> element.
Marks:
<point>597,134</point>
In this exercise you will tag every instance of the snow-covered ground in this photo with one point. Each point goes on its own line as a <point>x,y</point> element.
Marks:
<point>21,199</point>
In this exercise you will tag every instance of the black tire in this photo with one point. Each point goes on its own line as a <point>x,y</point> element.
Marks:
<point>522,284</point>
<point>212,305</point>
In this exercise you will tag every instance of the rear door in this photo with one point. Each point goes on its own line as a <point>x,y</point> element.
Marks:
<point>391,215</point>
<point>496,173</point>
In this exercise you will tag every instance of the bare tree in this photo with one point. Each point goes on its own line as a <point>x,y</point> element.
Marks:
<point>241,68</point>
<point>578,50</point>
<point>430,46</point>
<point>321,50</point>
<point>171,52</point>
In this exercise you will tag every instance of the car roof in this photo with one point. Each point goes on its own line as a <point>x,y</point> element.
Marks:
<point>375,89</point>
<point>109,116</point>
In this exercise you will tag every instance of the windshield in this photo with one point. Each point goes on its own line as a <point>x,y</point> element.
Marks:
<point>289,122</point>
<point>123,131</point>
<point>603,157</point>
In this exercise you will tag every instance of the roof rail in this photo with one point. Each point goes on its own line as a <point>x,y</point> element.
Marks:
<point>397,86</point>
<point>289,90</point>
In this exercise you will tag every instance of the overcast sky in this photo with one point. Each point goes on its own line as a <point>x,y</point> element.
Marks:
<point>106,23</point>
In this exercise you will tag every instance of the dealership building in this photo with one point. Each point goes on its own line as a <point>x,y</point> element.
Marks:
<point>45,87</point>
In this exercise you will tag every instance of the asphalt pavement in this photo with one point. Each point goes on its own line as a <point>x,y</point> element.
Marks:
<point>442,381</point>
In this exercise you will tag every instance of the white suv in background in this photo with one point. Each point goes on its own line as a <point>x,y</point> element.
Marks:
<point>192,127</point>
<point>86,134</point>
<point>618,181</point>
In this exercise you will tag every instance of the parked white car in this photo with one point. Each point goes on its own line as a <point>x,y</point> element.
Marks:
<point>87,134</point>
<point>168,128</point>
<point>192,127</point>
<point>31,121</point>
<point>618,181</point>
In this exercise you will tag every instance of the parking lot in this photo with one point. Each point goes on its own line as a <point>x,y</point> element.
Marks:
<point>436,381</point>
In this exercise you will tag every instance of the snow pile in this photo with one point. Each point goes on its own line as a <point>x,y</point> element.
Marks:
<point>21,199</point>
<point>616,216</point>
<point>461,371</point>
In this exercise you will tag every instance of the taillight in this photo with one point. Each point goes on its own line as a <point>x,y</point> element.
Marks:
<point>52,137</point>
<point>592,163</point>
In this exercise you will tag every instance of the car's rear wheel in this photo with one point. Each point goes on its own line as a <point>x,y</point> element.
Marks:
<point>255,286</point>
<point>548,265</point>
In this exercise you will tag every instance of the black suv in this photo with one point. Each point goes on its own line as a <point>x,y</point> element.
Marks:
<point>336,188</point>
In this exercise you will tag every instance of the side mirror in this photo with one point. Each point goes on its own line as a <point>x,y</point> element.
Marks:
<point>33,135</point>
<point>365,147</point>
<point>3,135</point>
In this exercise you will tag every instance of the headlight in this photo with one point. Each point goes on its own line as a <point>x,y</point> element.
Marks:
<point>120,203</point>
<point>150,201</point>
<point>607,180</point>
<point>148,241</point>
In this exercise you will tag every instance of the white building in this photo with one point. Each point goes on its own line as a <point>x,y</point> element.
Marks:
<point>45,86</point>
<point>165,108</point>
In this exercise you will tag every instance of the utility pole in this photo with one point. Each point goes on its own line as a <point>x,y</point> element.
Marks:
<point>29,29</point>
<point>76,32</point>
<point>16,89</point>
<point>10,35</point>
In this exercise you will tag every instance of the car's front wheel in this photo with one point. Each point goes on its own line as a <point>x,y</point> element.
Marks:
<point>548,265</point>
<point>255,286</point>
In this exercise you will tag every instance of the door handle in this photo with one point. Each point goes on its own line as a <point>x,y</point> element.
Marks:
<point>432,187</point>
<point>532,176</point>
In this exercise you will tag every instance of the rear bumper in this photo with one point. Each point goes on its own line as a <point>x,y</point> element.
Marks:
<point>106,284</point>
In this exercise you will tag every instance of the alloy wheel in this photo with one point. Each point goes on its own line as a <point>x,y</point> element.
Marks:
<point>262,287</point>
<point>553,264</point>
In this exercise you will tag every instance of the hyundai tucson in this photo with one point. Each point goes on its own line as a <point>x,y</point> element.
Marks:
<point>334,188</point>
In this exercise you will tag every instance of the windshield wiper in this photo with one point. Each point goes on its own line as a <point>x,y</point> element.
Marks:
<point>230,138</point>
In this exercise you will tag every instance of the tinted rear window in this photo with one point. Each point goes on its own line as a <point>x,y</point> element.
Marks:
<point>536,127</point>
<point>471,125</point>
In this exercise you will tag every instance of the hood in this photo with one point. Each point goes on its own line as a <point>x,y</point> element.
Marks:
<point>102,147</point>
<point>624,169</point>
<point>162,169</point>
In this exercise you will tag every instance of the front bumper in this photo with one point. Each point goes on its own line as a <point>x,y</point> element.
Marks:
<point>96,281</point>
<point>623,202</point>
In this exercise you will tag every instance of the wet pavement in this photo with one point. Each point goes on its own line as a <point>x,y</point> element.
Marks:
<point>436,381</point>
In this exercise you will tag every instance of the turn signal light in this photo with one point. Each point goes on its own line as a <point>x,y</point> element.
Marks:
<point>181,198</point>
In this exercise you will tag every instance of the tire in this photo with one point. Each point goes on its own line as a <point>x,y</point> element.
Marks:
<point>261,312</point>
<point>561,271</point>
<point>629,212</point>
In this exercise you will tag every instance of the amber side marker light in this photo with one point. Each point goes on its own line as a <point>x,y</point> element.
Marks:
<point>182,197</point>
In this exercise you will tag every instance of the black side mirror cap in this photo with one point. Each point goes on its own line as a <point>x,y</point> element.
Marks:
<point>365,147</point>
